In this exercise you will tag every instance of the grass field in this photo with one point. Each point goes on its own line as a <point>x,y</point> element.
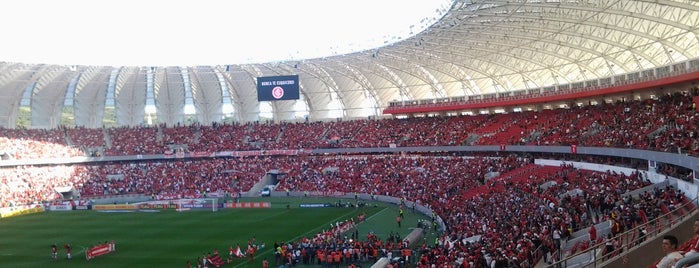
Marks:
<point>170,238</point>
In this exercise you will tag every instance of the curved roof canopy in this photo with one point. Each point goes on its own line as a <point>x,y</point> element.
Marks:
<point>458,48</point>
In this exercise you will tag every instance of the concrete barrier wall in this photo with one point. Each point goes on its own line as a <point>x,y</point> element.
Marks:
<point>415,237</point>
<point>381,263</point>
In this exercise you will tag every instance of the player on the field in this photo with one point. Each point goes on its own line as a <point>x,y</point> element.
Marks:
<point>54,252</point>
<point>68,250</point>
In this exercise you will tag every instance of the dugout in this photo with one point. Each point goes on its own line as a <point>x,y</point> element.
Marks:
<point>274,176</point>
<point>67,192</point>
<point>4,155</point>
<point>413,238</point>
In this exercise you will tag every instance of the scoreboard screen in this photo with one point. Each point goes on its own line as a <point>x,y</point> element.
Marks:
<point>274,88</point>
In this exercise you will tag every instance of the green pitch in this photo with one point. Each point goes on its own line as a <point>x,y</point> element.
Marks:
<point>170,238</point>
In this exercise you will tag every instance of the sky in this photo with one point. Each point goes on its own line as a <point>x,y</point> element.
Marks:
<point>203,32</point>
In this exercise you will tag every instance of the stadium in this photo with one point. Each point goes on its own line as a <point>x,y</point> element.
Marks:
<point>547,133</point>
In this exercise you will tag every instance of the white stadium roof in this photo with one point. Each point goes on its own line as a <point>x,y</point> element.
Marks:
<point>94,63</point>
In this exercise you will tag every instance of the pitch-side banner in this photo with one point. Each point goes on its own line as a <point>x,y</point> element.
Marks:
<point>114,207</point>
<point>20,210</point>
<point>249,205</point>
<point>315,205</point>
<point>157,206</point>
<point>61,207</point>
<point>199,205</point>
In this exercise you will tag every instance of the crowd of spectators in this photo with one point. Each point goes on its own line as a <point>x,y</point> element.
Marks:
<point>26,184</point>
<point>160,179</point>
<point>668,123</point>
<point>467,193</point>
<point>221,137</point>
<point>179,134</point>
<point>417,178</point>
<point>511,205</point>
<point>134,141</point>
<point>511,224</point>
<point>86,137</point>
<point>36,144</point>
<point>414,178</point>
<point>296,136</point>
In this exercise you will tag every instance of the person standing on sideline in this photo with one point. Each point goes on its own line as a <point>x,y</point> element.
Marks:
<point>54,252</point>
<point>251,252</point>
<point>204,261</point>
<point>669,247</point>
<point>68,250</point>
<point>398,219</point>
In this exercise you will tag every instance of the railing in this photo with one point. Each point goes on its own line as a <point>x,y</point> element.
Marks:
<point>595,255</point>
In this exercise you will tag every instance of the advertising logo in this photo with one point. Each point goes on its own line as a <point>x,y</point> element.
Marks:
<point>277,92</point>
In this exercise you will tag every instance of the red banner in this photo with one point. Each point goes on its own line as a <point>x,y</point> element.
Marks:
<point>99,250</point>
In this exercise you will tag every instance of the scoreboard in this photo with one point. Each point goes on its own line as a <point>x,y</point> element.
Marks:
<point>274,88</point>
